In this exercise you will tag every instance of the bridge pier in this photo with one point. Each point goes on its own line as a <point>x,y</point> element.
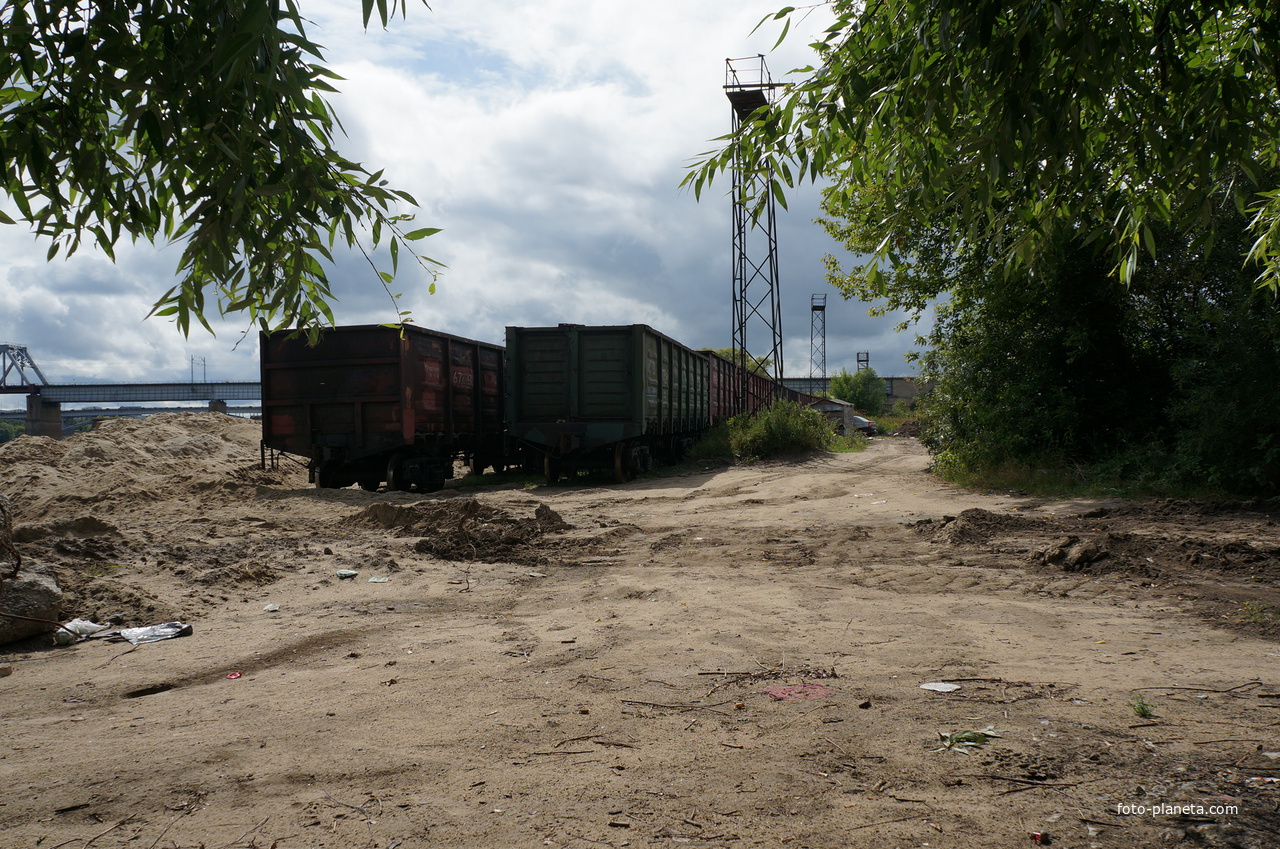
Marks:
<point>44,418</point>
<point>218,407</point>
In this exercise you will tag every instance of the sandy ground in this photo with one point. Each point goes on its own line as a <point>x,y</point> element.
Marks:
<point>723,657</point>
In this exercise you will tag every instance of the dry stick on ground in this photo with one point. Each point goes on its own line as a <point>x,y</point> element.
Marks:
<point>764,731</point>
<point>574,740</point>
<point>837,745</point>
<point>1029,781</point>
<point>260,824</point>
<point>160,836</point>
<point>105,663</point>
<point>359,808</point>
<point>681,708</point>
<point>95,837</point>
<point>886,822</point>
<point>1204,689</point>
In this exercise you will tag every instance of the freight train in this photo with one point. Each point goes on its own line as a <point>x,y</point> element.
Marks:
<point>374,404</point>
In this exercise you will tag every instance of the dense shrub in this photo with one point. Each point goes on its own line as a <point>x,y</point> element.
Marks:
<point>784,428</point>
<point>1166,385</point>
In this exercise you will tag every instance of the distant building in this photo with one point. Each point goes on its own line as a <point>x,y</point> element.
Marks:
<point>840,413</point>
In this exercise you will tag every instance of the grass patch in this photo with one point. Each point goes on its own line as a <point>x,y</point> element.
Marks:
<point>1056,480</point>
<point>1142,707</point>
<point>849,444</point>
<point>714,445</point>
<point>1258,613</point>
<point>100,570</point>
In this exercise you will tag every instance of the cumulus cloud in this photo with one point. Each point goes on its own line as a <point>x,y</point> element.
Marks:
<point>548,140</point>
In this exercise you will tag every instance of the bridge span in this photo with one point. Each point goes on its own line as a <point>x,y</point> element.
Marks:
<point>44,414</point>
<point>19,375</point>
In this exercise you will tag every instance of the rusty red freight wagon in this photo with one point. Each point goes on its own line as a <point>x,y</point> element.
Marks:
<point>370,404</point>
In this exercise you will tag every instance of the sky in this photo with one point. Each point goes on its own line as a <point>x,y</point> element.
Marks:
<point>547,140</point>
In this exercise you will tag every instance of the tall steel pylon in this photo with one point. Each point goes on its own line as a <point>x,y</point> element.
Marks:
<point>817,338</point>
<point>756,303</point>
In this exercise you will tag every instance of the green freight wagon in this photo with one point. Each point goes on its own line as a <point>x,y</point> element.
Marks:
<point>368,404</point>
<point>603,397</point>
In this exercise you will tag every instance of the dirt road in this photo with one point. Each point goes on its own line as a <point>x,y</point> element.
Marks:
<point>728,657</point>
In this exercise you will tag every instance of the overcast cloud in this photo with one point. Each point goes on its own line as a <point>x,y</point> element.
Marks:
<point>547,139</point>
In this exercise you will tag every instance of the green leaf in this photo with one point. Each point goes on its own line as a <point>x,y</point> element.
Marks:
<point>421,234</point>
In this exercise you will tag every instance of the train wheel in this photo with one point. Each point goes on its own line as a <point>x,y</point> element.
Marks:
<point>434,479</point>
<point>551,469</point>
<point>622,471</point>
<point>477,465</point>
<point>370,485</point>
<point>397,475</point>
<point>327,475</point>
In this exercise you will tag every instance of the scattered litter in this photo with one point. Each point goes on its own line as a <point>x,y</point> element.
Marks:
<point>379,579</point>
<point>82,628</point>
<point>346,574</point>
<point>92,630</point>
<point>1262,779</point>
<point>271,608</point>
<point>940,686</point>
<point>796,692</point>
<point>883,501</point>
<point>148,633</point>
<point>534,575</point>
<point>963,741</point>
<point>233,675</point>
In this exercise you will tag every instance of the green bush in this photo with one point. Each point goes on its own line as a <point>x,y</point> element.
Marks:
<point>784,428</point>
<point>714,445</point>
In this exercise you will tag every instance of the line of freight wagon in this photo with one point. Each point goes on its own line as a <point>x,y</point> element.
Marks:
<point>370,404</point>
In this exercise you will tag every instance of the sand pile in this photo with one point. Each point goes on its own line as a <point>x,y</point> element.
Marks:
<point>465,529</point>
<point>133,460</point>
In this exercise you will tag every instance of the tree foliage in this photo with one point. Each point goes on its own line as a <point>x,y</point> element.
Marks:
<point>1168,383</point>
<point>11,430</point>
<point>759,365</point>
<point>864,389</point>
<point>202,122</point>
<point>1006,121</point>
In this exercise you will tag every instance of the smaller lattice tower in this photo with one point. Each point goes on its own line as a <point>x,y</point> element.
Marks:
<point>864,360</point>
<point>817,339</point>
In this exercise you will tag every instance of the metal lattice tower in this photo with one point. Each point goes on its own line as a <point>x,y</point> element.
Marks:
<point>15,360</point>
<point>864,360</point>
<point>757,306</point>
<point>817,338</point>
